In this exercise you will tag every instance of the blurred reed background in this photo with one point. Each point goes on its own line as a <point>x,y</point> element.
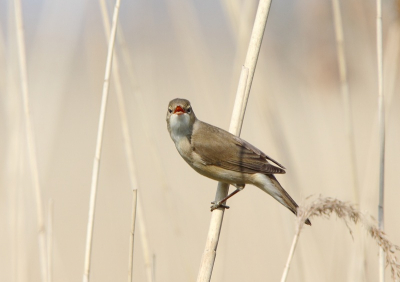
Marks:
<point>194,50</point>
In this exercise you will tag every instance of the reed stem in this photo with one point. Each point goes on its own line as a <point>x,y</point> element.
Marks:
<point>96,162</point>
<point>242,95</point>
<point>30,138</point>
<point>381,118</point>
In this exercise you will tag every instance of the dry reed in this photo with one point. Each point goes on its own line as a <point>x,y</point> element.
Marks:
<point>325,206</point>
<point>30,137</point>
<point>242,95</point>
<point>153,150</point>
<point>342,63</point>
<point>132,235</point>
<point>381,117</point>
<point>96,162</point>
<point>347,107</point>
<point>50,217</point>
<point>126,137</point>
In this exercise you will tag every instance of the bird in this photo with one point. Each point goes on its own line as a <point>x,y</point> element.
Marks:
<point>222,156</point>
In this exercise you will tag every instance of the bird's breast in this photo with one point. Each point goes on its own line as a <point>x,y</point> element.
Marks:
<point>184,148</point>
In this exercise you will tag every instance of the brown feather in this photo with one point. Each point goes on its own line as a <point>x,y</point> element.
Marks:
<point>290,203</point>
<point>220,148</point>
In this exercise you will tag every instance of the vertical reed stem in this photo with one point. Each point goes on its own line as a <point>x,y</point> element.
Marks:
<point>96,162</point>
<point>342,63</point>
<point>381,118</point>
<point>50,241</point>
<point>242,95</point>
<point>290,257</point>
<point>30,138</point>
<point>132,235</point>
<point>127,139</point>
<point>146,251</point>
<point>345,93</point>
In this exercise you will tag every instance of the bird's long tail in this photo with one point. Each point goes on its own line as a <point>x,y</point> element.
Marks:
<point>271,185</point>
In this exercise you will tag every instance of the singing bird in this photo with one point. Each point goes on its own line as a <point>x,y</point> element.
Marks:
<point>222,156</point>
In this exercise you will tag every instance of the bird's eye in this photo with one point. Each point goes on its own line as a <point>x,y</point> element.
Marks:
<point>189,110</point>
<point>170,110</point>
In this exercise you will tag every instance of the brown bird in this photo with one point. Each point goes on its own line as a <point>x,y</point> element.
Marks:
<point>222,156</point>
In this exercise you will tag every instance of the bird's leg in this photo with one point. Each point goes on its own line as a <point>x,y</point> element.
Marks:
<point>219,204</point>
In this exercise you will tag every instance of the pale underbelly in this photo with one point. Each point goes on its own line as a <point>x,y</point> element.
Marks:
<point>222,175</point>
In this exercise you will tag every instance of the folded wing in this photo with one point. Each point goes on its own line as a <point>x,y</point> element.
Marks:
<point>230,152</point>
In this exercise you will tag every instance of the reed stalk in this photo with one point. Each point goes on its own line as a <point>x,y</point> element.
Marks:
<point>132,235</point>
<point>339,36</point>
<point>381,119</point>
<point>50,209</point>
<point>146,251</point>
<point>128,148</point>
<point>344,85</point>
<point>391,62</point>
<point>242,95</point>
<point>96,162</point>
<point>30,138</point>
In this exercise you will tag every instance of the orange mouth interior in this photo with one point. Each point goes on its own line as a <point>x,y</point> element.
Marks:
<point>179,110</point>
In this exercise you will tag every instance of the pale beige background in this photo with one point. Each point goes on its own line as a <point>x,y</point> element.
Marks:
<point>193,50</point>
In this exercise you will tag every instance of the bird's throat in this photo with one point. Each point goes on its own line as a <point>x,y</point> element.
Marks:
<point>180,126</point>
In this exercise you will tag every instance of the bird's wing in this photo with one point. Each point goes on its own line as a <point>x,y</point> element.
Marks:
<point>220,148</point>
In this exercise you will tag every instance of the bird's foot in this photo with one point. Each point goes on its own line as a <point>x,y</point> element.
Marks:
<point>216,205</point>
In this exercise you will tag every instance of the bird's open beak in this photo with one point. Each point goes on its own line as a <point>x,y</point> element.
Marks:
<point>179,110</point>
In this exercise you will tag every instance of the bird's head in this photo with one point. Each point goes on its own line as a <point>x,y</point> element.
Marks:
<point>180,118</point>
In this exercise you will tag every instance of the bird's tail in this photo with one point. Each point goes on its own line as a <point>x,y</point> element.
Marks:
<point>275,189</point>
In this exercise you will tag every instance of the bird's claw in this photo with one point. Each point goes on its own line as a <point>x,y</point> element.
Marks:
<point>216,205</point>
